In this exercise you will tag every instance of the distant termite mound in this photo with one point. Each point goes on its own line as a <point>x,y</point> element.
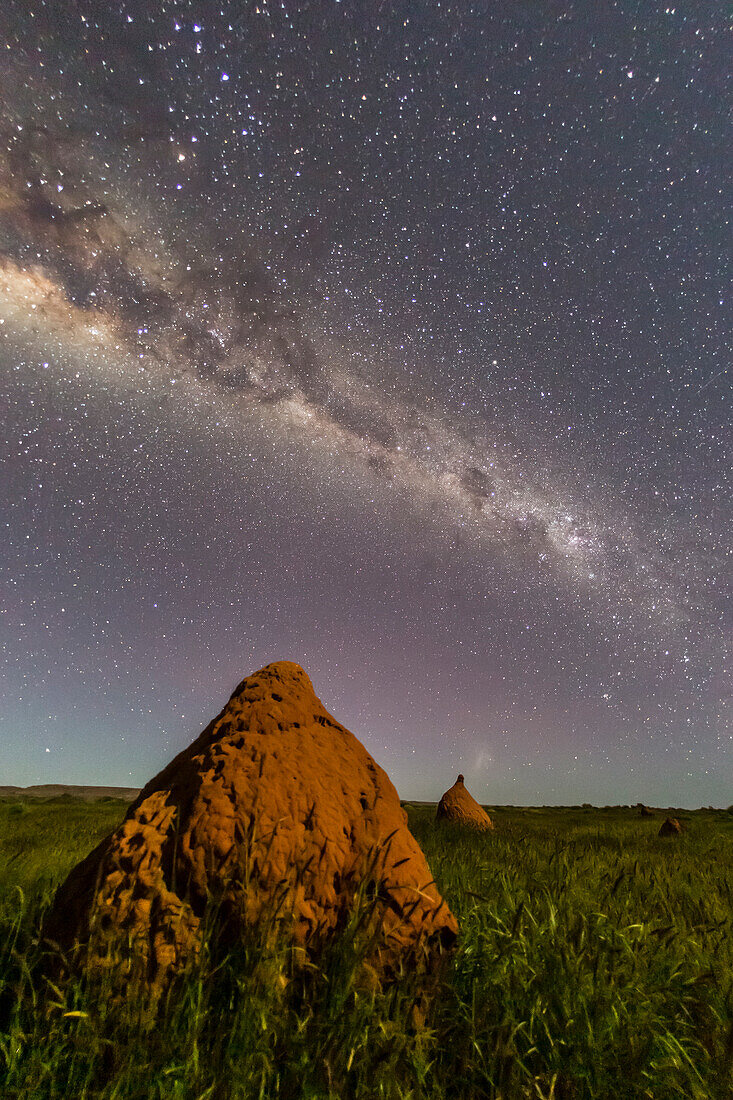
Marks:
<point>275,811</point>
<point>670,827</point>
<point>458,806</point>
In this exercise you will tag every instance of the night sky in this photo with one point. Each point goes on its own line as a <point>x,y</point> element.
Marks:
<point>392,339</point>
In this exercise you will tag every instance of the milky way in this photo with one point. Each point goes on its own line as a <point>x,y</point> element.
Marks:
<point>392,343</point>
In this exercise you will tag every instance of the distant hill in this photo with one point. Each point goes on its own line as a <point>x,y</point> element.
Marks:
<point>59,790</point>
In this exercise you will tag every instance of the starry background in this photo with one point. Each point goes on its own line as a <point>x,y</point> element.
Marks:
<point>391,339</point>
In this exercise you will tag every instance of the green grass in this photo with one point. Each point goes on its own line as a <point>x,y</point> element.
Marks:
<point>595,960</point>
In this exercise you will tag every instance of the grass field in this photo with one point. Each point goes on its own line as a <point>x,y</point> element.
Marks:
<point>595,960</point>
